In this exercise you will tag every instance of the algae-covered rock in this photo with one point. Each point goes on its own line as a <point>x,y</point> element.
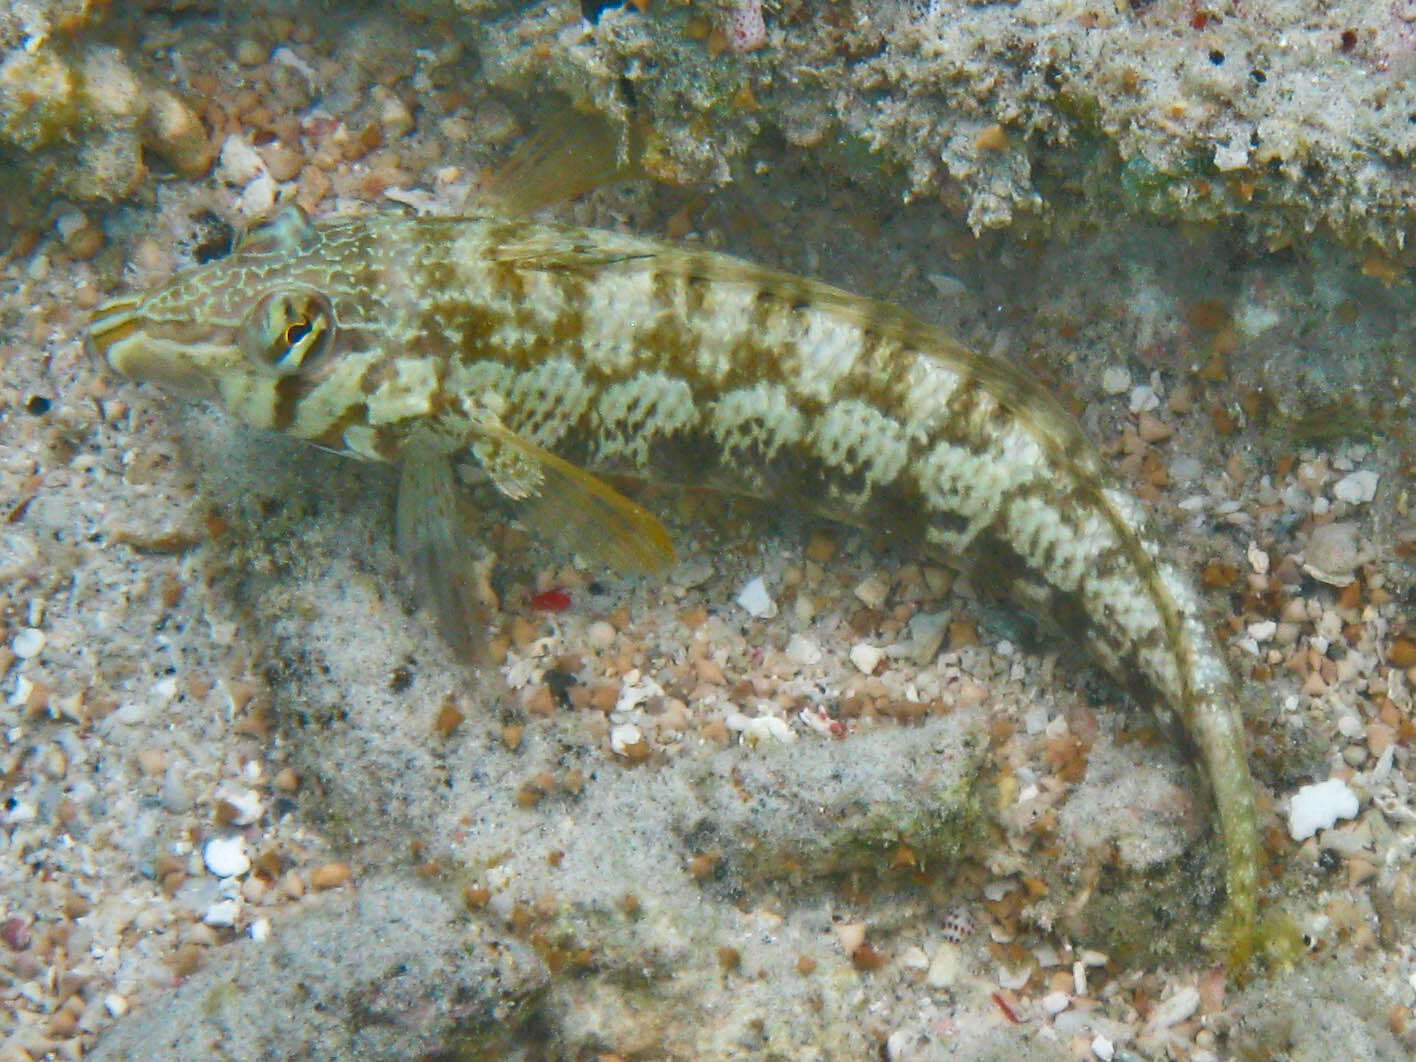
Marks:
<point>1310,1015</point>
<point>386,970</point>
<point>75,123</point>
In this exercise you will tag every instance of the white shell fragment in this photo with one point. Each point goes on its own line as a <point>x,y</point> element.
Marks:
<point>803,649</point>
<point>245,805</point>
<point>1176,1009</point>
<point>226,856</point>
<point>1331,555</point>
<point>946,966</point>
<point>866,657</point>
<point>759,729</point>
<point>239,163</point>
<point>222,914</point>
<point>1258,559</point>
<point>1115,380</point>
<point>1319,807</point>
<point>624,737</point>
<point>1262,630</point>
<point>755,600</point>
<point>27,643</point>
<point>1356,488</point>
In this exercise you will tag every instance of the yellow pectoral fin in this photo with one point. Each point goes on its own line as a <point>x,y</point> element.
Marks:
<point>575,509</point>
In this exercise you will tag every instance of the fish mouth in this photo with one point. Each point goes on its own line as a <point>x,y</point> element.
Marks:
<point>120,338</point>
<point>110,325</point>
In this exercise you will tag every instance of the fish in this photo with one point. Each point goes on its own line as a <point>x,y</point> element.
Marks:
<point>555,357</point>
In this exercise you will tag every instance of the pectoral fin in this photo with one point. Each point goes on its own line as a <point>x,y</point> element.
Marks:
<point>578,511</point>
<point>452,581</point>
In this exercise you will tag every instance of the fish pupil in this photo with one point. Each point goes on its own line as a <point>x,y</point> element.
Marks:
<point>296,332</point>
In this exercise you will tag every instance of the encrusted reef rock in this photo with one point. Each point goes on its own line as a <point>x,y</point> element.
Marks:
<point>1045,112</point>
<point>76,123</point>
<point>1037,115</point>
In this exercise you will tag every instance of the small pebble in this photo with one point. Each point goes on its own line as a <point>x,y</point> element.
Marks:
<point>222,914</point>
<point>242,807</point>
<point>872,592</point>
<point>991,138</point>
<point>330,876</point>
<point>395,118</point>
<point>1103,1048</point>
<point>755,601</point>
<point>945,967</point>
<point>258,197</point>
<point>1176,1009</point>
<point>115,1004</point>
<point>1357,488</point>
<point>1152,429</point>
<point>260,930</point>
<point>803,649</point>
<point>1143,399</point>
<point>1331,554</point>
<point>64,1024</point>
<point>86,242</point>
<point>239,163</point>
<point>1263,630</point>
<point>1056,1002</point>
<point>292,884</point>
<point>1258,559</point>
<point>284,164</point>
<point>927,632</point>
<point>178,134</point>
<point>820,547</point>
<point>1116,380</point>
<point>850,935</point>
<point>251,53</point>
<point>761,729</point>
<point>600,634</point>
<point>15,932</point>
<point>1360,871</point>
<point>226,856</point>
<point>866,657</point>
<point>914,958</point>
<point>623,737</point>
<point>28,642</point>
<point>1079,977</point>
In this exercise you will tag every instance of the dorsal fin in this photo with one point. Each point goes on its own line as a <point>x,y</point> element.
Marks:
<point>571,153</point>
<point>287,230</point>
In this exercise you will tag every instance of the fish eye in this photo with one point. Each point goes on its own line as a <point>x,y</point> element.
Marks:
<point>288,332</point>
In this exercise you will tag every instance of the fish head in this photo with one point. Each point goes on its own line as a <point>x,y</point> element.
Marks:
<point>254,330</point>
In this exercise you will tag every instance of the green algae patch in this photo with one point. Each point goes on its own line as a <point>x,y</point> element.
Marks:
<point>898,798</point>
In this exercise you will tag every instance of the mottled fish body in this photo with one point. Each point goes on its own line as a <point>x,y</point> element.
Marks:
<point>544,351</point>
